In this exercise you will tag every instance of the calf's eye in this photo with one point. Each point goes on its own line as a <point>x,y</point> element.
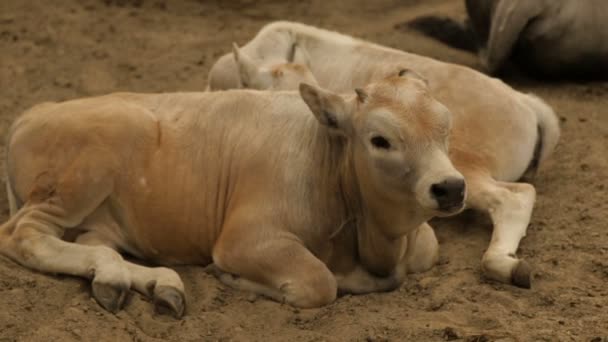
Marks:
<point>380,142</point>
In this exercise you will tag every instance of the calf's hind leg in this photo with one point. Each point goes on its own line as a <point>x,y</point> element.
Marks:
<point>275,264</point>
<point>162,284</point>
<point>61,199</point>
<point>510,207</point>
<point>35,242</point>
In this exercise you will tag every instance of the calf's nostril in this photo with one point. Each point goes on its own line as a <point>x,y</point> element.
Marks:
<point>439,190</point>
<point>449,193</point>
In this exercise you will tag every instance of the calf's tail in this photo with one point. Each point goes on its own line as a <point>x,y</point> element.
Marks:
<point>548,125</point>
<point>14,203</point>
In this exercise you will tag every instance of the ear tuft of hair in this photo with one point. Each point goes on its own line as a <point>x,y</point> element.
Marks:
<point>331,119</point>
<point>319,102</point>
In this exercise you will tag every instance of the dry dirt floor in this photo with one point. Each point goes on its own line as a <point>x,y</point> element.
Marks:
<point>63,49</point>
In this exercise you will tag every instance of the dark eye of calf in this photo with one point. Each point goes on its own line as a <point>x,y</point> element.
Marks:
<point>380,142</point>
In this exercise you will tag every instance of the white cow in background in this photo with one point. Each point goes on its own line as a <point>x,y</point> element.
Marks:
<point>499,135</point>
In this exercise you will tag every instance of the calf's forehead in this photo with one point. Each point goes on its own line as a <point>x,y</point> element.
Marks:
<point>409,108</point>
<point>404,90</point>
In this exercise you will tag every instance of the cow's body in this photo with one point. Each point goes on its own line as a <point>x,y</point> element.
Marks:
<point>497,133</point>
<point>248,180</point>
<point>556,38</point>
<point>176,166</point>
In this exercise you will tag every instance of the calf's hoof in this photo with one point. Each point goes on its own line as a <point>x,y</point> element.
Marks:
<point>169,300</point>
<point>522,274</point>
<point>110,296</point>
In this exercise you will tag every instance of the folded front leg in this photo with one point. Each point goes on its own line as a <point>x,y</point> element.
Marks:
<point>422,249</point>
<point>273,263</point>
<point>360,281</point>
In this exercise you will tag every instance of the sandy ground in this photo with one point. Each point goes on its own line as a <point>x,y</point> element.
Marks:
<point>64,49</point>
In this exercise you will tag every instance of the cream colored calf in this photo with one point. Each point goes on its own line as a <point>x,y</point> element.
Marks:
<point>286,203</point>
<point>498,134</point>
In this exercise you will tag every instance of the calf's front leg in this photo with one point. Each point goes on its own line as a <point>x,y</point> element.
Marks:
<point>421,254</point>
<point>422,249</point>
<point>273,263</point>
<point>360,281</point>
<point>510,207</point>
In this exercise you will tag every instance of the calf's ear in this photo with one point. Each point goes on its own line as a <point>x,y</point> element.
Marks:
<point>330,109</point>
<point>246,67</point>
<point>298,55</point>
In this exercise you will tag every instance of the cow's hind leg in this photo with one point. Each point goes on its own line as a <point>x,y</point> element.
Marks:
<point>162,284</point>
<point>274,264</point>
<point>510,207</point>
<point>61,199</point>
<point>35,242</point>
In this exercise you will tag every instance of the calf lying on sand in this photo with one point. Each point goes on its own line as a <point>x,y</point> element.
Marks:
<point>291,205</point>
<point>498,134</point>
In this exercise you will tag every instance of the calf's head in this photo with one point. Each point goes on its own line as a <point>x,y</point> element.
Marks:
<point>281,75</point>
<point>398,140</point>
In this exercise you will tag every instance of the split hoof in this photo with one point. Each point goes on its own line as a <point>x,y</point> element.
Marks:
<point>110,297</point>
<point>522,275</point>
<point>169,300</point>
